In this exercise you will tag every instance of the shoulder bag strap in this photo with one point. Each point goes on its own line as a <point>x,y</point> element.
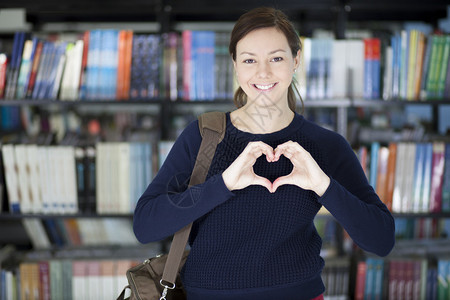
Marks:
<point>212,129</point>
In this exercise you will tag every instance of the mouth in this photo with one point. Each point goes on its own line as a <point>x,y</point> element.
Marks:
<point>265,87</point>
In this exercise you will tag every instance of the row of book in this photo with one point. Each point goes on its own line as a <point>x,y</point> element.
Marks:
<point>107,178</point>
<point>422,228</point>
<point>195,65</point>
<point>402,278</point>
<point>409,177</point>
<point>413,65</point>
<point>336,276</point>
<point>70,233</point>
<point>118,64</point>
<point>66,279</point>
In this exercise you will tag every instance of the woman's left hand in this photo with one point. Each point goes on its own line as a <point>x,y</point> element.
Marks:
<point>306,173</point>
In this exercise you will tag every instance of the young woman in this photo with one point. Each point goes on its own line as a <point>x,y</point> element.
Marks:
<point>253,235</point>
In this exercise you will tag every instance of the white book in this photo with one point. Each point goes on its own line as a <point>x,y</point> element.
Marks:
<point>36,232</point>
<point>100,177</point>
<point>69,178</point>
<point>71,78</point>
<point>398,178</point>
<point>77,62</point>
<point>124,177</point>
<point>303,68</point>
<point>355,63</point>
<point>79,280</point>
<point>35,179</point>
<point>387,78</point>
<point>45,181</point>
<point>407,200</point>
<point>11,178</point>
<point>23,178</point>
<point>113,176</point>
<point>136,181</point>
<point>107,279</point>
<point>93,280</point>
<point>59,187</point>
<point>339,69</point>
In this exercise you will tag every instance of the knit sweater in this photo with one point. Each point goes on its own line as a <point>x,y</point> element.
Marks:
<point>251,240</point>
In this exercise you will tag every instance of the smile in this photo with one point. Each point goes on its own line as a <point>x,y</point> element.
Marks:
<point>264,87</point>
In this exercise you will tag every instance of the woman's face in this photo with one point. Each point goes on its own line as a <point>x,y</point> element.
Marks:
<point>265,65</point>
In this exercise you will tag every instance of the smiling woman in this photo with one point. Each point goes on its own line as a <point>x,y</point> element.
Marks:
<point>253,235</point>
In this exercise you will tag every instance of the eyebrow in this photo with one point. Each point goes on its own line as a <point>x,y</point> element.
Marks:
<point>271,52</point>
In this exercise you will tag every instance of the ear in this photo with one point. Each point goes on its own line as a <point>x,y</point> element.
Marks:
<point>297,59</point>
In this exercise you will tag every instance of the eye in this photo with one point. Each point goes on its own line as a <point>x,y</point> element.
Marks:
<point>249,61</point>
<point>275,59</point>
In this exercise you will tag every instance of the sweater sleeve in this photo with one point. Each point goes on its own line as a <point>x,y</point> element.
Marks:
<point>355,205</point>
<point>168,204</point>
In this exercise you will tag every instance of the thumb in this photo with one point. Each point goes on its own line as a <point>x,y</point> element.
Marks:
<point>263,182</point>
<point>279,182</point>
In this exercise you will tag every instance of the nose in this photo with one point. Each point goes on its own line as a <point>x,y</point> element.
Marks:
<point>264,70</point>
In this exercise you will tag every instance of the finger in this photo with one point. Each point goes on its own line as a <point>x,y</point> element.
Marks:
<point>279,182</point>
<point>263,182</point>
<point>262,148</point>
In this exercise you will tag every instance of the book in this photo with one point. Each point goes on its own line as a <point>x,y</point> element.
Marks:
<point>3,73</point>
<point>390,175</point>
<point>24,68</point>
<point>188,92</point>
<point>374,151</point>
<point>11,177</point>
<point>432,76</point>
<point>21,159</point>
<point>34,69</point>
<point>14,67</point>
<point>372,56</point>
<point>36,233</point>
<point>444,62</point>
<point>446,181</point>
<point>360,280</point>
<point>82,82</point>
<point>44,280</point>
<point>381,175</point>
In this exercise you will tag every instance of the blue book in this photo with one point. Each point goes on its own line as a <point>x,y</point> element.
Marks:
<point>396,51</point>
<point>45,57</point>
<point>108,64</point>
<point>378,279</point>
<point>59,51</point>
<point>14,66</point>
<point>369,289</point>
<point>374,149</point>
<point>93,65</point>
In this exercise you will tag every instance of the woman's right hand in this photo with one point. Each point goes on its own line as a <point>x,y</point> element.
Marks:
<point>240,173</point>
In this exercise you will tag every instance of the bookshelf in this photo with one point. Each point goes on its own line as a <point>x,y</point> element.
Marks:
<point>175,15</point>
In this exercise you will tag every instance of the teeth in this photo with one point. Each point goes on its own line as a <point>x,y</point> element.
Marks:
<point>264,87</point>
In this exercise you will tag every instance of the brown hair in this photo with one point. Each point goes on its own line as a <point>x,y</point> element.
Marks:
<point>265,17</point>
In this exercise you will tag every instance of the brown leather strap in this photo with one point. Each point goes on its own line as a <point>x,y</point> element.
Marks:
<point>212,135</point>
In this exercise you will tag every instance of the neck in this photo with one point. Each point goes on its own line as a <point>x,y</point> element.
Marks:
<point>261,120</point>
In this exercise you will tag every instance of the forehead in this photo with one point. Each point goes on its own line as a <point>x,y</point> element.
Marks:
<point>263,39</point>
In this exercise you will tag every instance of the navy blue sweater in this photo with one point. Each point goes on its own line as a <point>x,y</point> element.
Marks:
<point>249,241</point>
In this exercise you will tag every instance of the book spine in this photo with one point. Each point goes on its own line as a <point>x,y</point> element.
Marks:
<point>187,64</point>
<point>3,73</point>
<point>444,62</point>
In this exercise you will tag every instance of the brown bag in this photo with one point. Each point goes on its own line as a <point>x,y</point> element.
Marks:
<point>159,277</point>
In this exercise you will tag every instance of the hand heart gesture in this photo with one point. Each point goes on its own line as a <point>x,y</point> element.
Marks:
<point>305,174</point>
